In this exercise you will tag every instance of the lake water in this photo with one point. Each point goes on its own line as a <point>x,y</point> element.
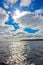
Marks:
<point>22,52</point>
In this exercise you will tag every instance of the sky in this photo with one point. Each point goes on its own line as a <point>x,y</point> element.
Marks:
<point>21,19</point>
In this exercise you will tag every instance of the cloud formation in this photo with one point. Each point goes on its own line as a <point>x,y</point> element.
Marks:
<point>24,19</point>
<point>9,3</point>
<point>25,2</point>
<point>3,16</point>
<point>17,14</point>
<point>12,1</point>
<point>32,20</point>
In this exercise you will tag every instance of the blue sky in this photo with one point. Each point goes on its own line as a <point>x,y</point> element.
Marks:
<point>24,16</point>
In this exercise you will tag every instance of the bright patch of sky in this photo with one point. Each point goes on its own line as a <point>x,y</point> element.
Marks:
<point>24,16</point>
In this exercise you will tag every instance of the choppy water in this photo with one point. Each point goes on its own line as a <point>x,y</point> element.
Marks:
<point>22,52</point>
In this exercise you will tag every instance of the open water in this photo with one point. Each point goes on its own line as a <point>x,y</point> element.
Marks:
<point>21,52</point>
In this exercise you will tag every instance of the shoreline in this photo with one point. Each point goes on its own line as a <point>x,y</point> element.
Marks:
<point>21,40</point>
<point>32,40</point>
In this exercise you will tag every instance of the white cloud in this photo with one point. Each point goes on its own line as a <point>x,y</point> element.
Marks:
<point>5,32</point>
<point>8,3</point>
<point>3,27</point>
<point>6,28</point>
<point>39,11</point>
<point>25,19</point>
<point>3,16</point>
<point>28,19</point>
<point>25,2</point>
<point>31,20</point>
<point>17,14</point>
<point>12,1</point>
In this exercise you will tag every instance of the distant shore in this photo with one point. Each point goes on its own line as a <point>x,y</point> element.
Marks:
<point>16,40</point>
<point>32,40</point>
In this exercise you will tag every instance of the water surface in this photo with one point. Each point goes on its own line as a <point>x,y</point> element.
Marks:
<point>22,52</point>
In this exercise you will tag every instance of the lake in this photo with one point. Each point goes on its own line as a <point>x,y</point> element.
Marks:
<point>21,52</point>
